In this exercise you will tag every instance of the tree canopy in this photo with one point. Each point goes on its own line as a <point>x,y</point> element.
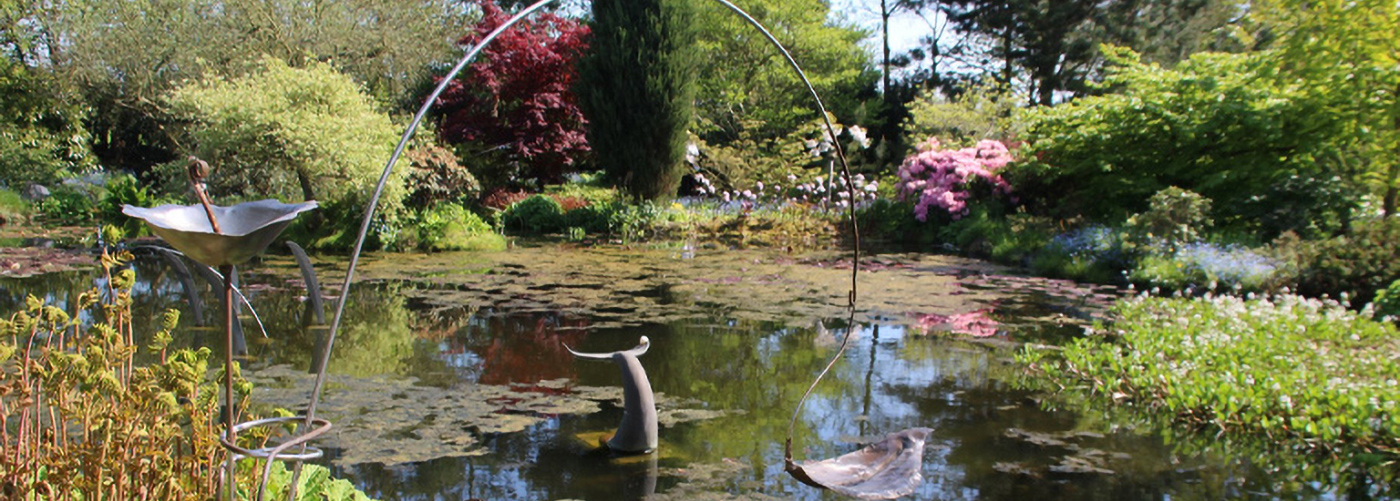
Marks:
<point>747,88</point>
<point>289,133</point>
<point>638,85</point>
<point>123,56</point>
<point>518,99</point>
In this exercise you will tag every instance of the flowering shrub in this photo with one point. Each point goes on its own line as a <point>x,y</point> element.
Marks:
<point>1094,242</point>
<point>1207,266</point>
<point>941,178</point>
<point>819,191</point>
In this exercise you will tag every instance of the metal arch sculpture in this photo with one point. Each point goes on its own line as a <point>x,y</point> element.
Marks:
<point>820,475</point>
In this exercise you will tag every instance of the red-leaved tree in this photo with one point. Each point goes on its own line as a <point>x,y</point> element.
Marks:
<point>515,104</point>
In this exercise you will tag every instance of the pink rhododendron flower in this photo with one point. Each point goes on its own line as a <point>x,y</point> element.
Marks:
<point>938,178</point>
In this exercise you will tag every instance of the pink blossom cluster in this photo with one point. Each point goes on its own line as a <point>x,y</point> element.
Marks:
<point>939,177</point>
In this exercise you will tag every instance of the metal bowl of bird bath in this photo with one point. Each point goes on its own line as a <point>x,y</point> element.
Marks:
<point>868,473</point>
<point>248,228</point>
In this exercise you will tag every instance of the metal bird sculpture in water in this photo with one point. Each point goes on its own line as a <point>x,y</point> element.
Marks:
<point>637,433</point>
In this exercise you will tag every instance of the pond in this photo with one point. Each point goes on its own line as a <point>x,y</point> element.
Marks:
<point>451,381</point>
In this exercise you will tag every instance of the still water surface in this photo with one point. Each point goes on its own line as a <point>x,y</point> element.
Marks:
<point>420,343</point>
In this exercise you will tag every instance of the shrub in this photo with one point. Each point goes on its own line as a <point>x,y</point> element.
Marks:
<point>435,176</point>
<point>449,227</point>
<point>982,111</point>
<point>292,134</point>
<point>1314,207</point>
<point>538,214</point>
<point>892,220</point>
<point>124,190</point>
<point>941,179</point>
<point>1356,264</point>
<point>13,207</point>
<point>1173,217</point>
<point>1217,124</point>
<point>67,205</point>
<point>1387,303</point>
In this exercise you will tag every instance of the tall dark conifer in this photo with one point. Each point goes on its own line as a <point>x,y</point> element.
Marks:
<point>637,89</point>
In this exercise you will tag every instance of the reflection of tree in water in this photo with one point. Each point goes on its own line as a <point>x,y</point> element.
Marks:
<point>504,349</point>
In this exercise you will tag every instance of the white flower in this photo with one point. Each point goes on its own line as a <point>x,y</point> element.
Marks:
<point>858,137</point>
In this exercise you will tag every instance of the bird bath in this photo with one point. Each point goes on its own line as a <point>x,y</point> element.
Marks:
<point>224,237</point>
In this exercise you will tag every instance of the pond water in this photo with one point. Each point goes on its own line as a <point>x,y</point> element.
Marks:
<point>451,381</point>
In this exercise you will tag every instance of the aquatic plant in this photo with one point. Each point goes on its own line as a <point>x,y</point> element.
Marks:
<point>1285,367</point>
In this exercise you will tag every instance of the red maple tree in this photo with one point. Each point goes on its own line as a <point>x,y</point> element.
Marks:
<point>517,97</point>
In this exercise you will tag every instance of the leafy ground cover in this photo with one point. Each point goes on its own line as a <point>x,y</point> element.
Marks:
<point>1301,371</point>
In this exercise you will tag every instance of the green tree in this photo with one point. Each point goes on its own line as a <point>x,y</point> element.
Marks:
<point>125,55</point>
<point>1346,54</point>
<point>1218,124</point>
<point>1168,31</point>
<point>637,88</point>
<point>1046,42</point>
<point>290,133</point>
<point>748,91</point>
<point>42,136</point>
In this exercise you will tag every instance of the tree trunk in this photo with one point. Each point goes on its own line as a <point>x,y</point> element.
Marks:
<point>885,33</point>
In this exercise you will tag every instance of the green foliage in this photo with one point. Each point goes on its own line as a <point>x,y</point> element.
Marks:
<point>1312,206</point>
<point>1355,264</point>
<point>126,56</point>
<point>314,484</point>
<point>449,227</point>
<point>13,207</point>
<point>637,88</point>
<point>1233,365</point>
<point>538,214</point>
<point>982,111</point>
<point>1342,53</point>
<point>1009,239</point>
<point>292,134</point>
<point>747,91</point>
<point>124,190</point>
<point>1387,303</point>
<point>888,220</point>
<point>110,429</point>
<point>435,176</point>
<point>67,205</point>
<point>1217,124</point>
<point>42,138</point>
<point>1173,217</point>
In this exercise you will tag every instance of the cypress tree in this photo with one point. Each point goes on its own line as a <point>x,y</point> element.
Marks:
<point>637,89</point>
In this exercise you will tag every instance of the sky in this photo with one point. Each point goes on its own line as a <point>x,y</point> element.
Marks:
<point>906,29</point>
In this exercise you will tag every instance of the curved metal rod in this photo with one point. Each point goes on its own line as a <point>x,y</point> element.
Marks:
<point>379,191</point>
<point>432,98</point>
<point>855,230</point>
<point>374,203</point>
